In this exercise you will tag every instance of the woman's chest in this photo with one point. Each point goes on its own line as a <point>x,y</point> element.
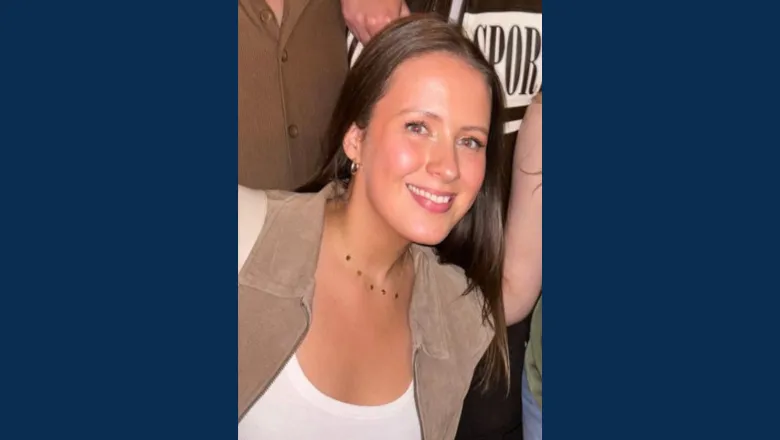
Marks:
<point>293,408</point>
<point>356,350</point>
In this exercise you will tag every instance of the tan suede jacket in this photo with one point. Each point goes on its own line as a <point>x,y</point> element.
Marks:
<point>275,289</point>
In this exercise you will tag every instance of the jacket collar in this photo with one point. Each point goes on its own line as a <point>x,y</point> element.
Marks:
<point>283,263</point>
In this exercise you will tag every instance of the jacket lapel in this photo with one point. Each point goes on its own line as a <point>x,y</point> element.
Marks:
<point>273,286</point>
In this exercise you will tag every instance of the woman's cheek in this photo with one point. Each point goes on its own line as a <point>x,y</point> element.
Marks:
<point>473,172</point>
<point>403,156</point>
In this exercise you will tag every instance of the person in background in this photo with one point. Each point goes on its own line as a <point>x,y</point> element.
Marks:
<point>527,195</point>
<point>509,34</point>
<point>291,64</point>
<point>367,297</point>
<point>366,18</point>
<point>532,379</point>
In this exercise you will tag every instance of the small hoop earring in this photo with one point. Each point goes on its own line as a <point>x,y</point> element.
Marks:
<point>354,168</point>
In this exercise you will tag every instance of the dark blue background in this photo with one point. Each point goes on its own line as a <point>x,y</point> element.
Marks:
<point>661,227</point>
<point>118,170</point>
<point>119,132</point>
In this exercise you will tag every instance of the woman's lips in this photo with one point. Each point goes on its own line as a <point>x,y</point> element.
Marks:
<point>433,201</point>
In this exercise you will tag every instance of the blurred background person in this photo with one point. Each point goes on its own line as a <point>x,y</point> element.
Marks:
<point>291,64</point>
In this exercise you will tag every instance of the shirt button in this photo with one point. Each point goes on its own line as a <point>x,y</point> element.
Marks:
<point>265,15</point>
<point>284,56</point>
<point>293,131</point>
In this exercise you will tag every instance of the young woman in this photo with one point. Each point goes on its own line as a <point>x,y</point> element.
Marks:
<point>367,298</point>
<point>509,34</point>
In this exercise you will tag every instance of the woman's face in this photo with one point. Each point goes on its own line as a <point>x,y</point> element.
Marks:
<point>422,156</point>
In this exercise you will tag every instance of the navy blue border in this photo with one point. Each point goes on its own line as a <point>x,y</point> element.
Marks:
<point>119,131</point>
<point>661,221</point>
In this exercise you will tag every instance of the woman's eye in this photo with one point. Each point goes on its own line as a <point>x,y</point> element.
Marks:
<point>472,143</point>
<point>416,127</point>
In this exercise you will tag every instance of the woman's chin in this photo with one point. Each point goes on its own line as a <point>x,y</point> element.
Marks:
<point>427,237</point>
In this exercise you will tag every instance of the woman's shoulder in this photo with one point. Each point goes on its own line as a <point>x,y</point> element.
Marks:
<point>252,208</point>
<point>462,308</point>
<point>248,197</point>
<point>253,202</point>
<point>276,215</point>
<point>452,278</point>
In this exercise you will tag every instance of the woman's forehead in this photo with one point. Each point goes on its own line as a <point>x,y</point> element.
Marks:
<point>437,83</point>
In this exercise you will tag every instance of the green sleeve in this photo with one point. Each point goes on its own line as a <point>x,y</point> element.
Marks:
<point>533,354</point>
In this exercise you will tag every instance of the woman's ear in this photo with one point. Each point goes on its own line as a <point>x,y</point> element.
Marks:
<point>353,143</point>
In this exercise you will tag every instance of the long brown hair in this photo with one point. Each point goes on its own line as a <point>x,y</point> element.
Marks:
<point>476,243</point>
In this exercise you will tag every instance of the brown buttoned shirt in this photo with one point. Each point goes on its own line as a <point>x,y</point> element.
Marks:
<point>289,78</point>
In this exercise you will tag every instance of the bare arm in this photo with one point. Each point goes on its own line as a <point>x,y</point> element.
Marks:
<point>523,262</point>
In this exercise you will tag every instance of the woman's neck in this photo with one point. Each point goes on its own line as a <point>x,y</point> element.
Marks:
<point>366,239</point>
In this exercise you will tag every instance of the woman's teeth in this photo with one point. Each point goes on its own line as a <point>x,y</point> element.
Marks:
<point>433,198</point>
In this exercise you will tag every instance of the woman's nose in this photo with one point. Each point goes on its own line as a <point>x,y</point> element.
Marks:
<point>443,162</point>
